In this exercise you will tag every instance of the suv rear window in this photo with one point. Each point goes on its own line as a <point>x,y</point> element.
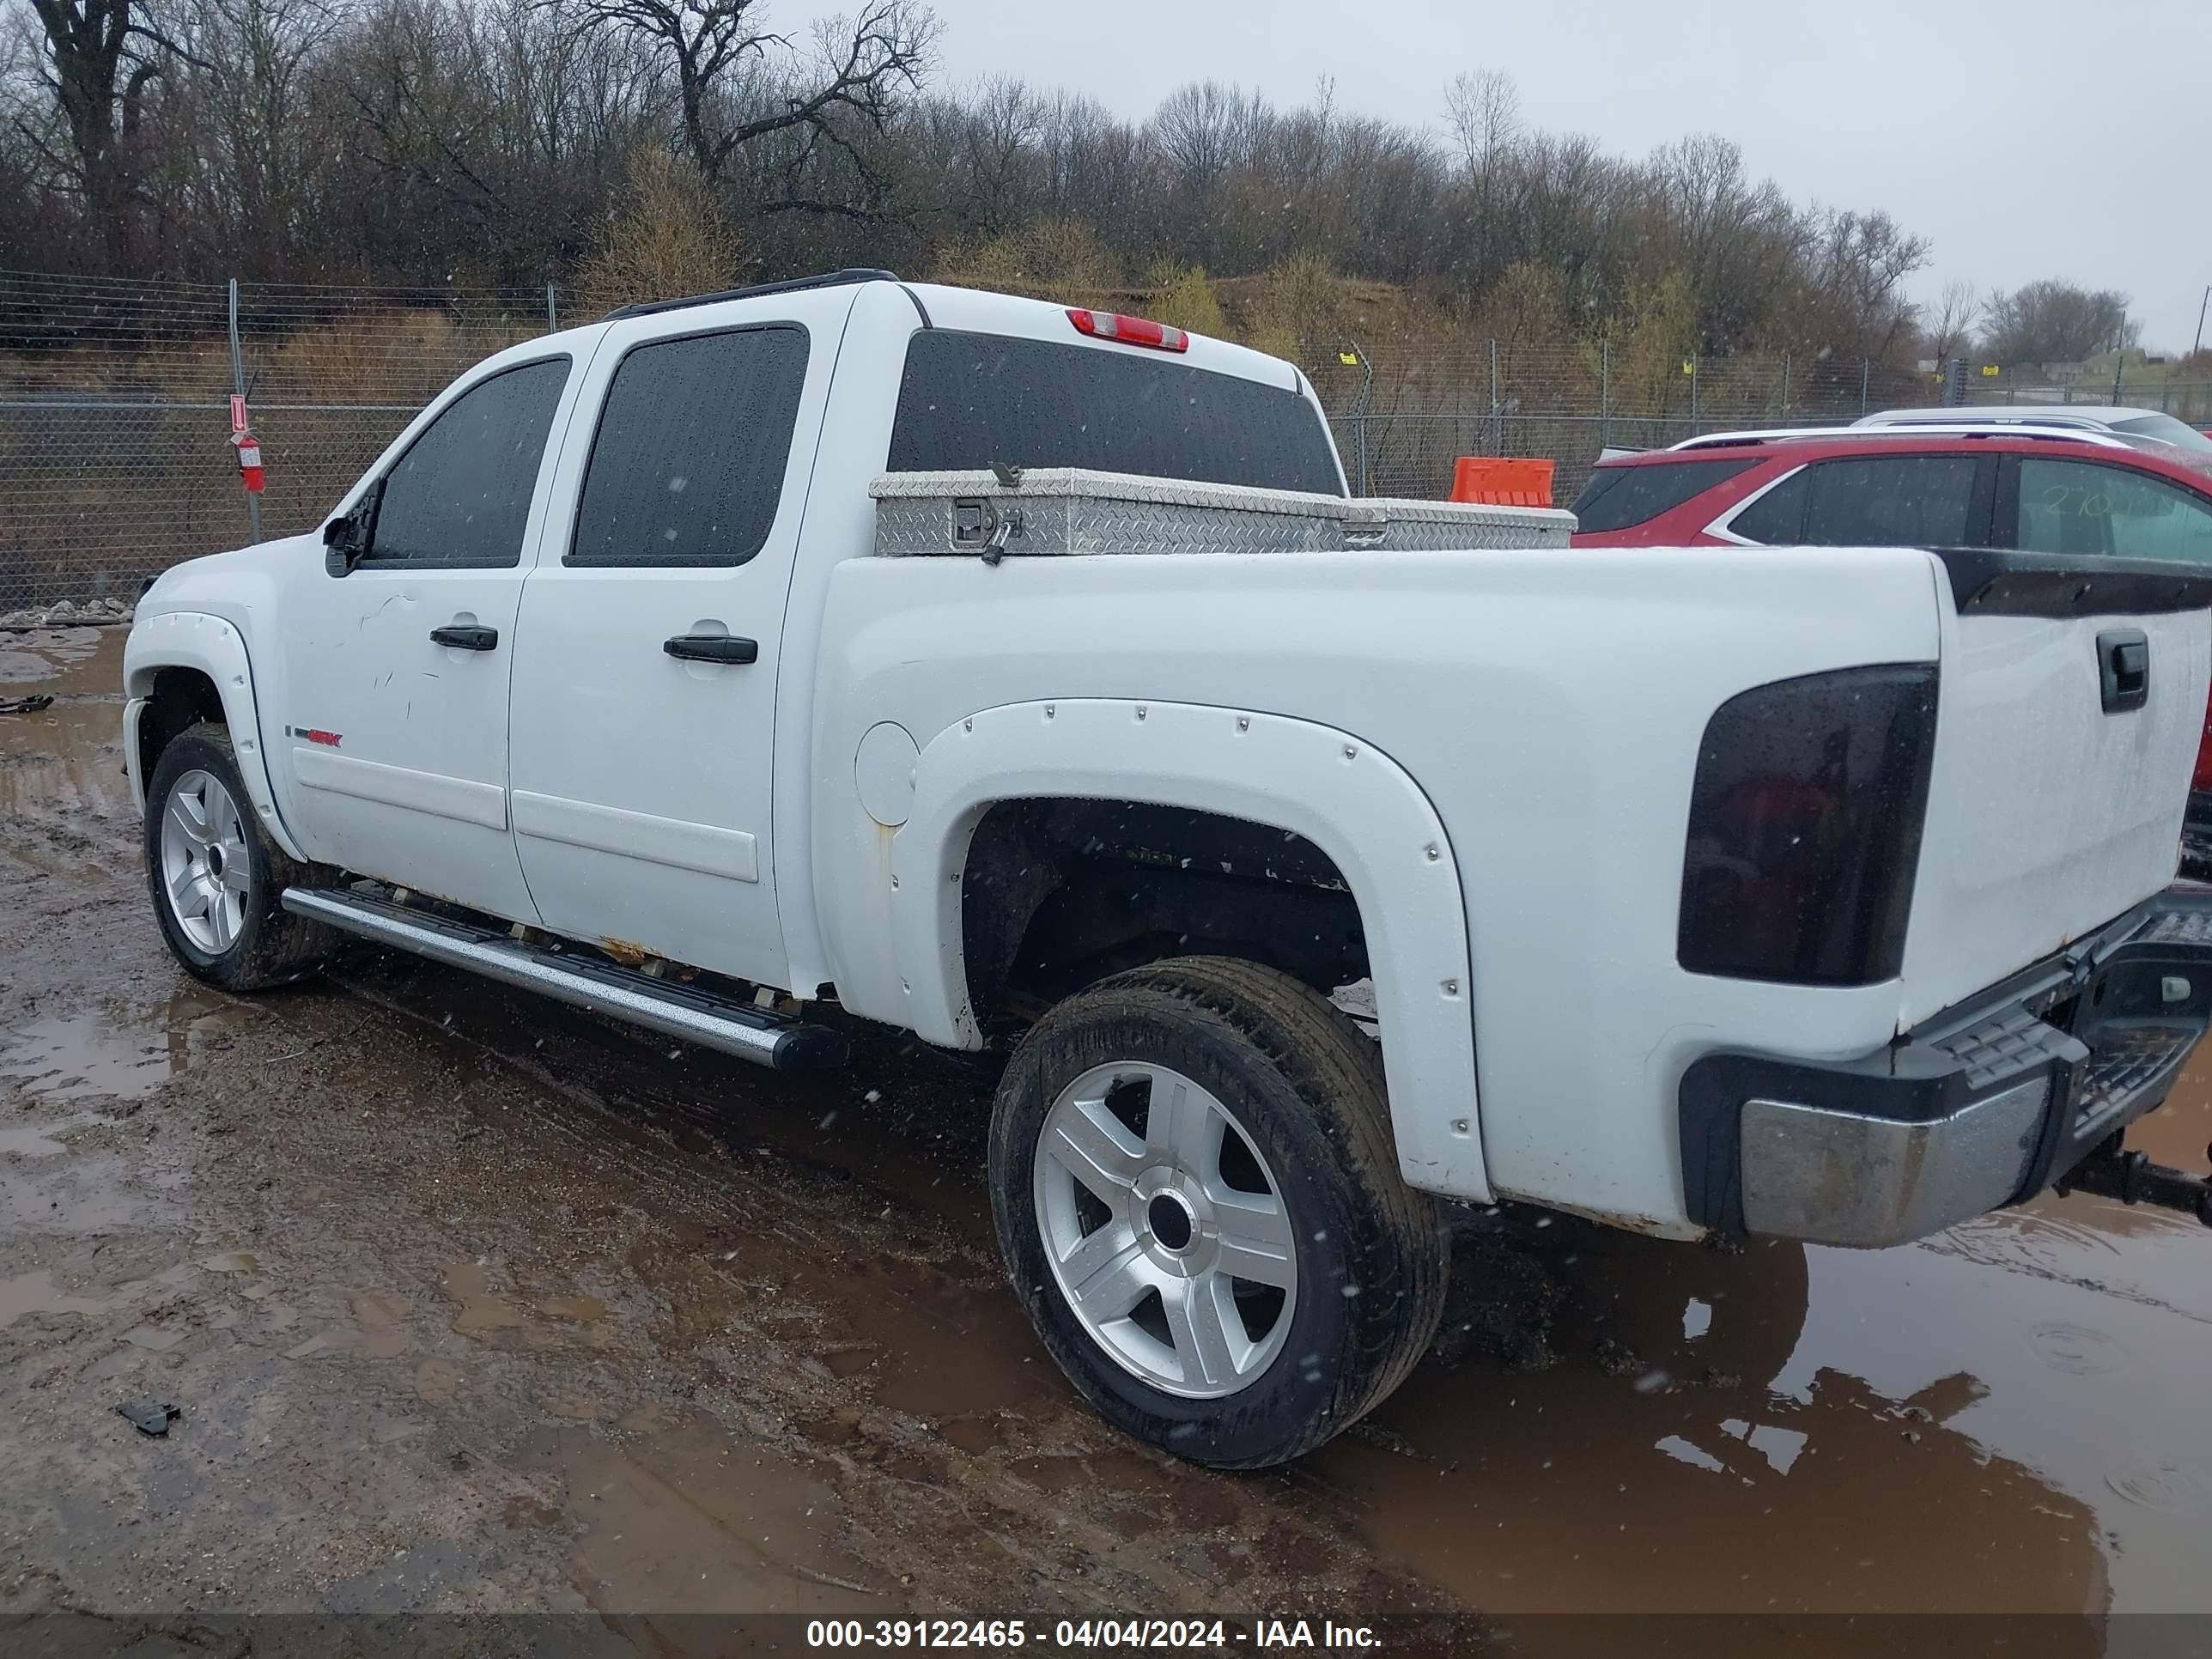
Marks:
<point>1618,497</point>
<point>2166,430</point>
<point>968,400</point>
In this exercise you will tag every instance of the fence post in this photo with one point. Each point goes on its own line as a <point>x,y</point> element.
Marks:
<point>1496,429</point>
<point>1785,387</point>
<point>1359,410</point>
<point>237,385</point>
<point>552,312</point>
<point>1693,394</point>
<point>1865,371</point>
<point>1604,395</point>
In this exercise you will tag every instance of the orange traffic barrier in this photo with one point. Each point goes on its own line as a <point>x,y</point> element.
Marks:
<point>1496,483</point>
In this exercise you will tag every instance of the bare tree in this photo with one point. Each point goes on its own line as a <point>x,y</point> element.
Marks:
<point>250,108</point>
<point>1950,322</point>
<point>2056,321</point>
<point>484,141</point>
<point>101,57</point>
<point>998,154</point>
<point>721,51</point>
<point>1207,128</point>
<point>1483,109</point>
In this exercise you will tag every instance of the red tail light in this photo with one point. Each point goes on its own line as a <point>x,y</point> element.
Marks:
<point>2202,778</point>
<point>1129,331</point>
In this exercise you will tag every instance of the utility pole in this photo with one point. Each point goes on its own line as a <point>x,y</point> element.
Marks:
<point>2199,346</point>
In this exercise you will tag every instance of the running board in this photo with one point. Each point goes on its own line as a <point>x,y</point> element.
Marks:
<point>678,1010</point>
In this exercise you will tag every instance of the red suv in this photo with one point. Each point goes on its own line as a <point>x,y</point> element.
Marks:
<point>2041,491</point>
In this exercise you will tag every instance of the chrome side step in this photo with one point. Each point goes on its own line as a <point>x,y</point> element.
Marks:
<point>678,1010</point>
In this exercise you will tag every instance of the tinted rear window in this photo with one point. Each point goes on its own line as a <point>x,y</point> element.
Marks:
<point>1892,500</point>
<point>1618,497</point>
<point>2166,430</point>
<point>969,399</point>
<point>1777,517</point>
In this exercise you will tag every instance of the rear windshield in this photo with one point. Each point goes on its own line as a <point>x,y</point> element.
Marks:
<point>968,400</point>
<point>1617,498</point>
<point>2166,430</point>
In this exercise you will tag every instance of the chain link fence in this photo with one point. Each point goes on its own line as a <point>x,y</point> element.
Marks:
<point>114,407</point>
<point>115,461</point>
<point>2132,386</point>
<point>1403,412</point>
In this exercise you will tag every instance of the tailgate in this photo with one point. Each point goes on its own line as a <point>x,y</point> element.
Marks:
<point>2049,813</point>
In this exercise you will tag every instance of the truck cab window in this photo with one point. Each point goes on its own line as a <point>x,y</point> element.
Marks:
<point>687,465</point>
<point>460,497</point>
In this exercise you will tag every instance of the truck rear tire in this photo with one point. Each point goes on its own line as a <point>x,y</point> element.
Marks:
<point>1199,1202</point>
<point>215,877</point>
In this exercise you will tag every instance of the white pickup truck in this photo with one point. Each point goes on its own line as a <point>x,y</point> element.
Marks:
<point>719,666</point>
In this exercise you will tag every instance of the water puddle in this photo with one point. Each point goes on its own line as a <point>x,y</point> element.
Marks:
<point>68,757</point>
<point>2178,1132</point>
<point>1756,1469</point>
<point>66,661</point>
<point>37,1293</point>
<point>114,1056</point>
<point>87,1193</point>
<point>44,1139</point>
<point>947,1349</point>
<point>117,1053</point>
<point>482,1313</point>
<point>2008,1418</point>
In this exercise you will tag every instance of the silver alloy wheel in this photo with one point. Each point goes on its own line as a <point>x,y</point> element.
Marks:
<point>205,870</point>
<point>1187,1280</point>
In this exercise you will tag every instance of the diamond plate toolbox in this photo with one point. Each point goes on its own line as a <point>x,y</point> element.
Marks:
<point>1067,510</point>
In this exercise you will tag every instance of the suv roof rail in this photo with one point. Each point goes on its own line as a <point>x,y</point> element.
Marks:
<point>2068,434</point>
<point>825,279</point>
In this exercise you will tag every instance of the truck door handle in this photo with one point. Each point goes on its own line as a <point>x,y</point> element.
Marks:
<point>466,638</point>
<point>712,648</point>
<point>2123,669</point>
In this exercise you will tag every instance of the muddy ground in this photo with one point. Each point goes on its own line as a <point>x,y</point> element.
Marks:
<point>471,1303</point>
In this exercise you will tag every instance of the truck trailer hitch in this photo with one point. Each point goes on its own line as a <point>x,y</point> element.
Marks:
<point>2132,1178</point>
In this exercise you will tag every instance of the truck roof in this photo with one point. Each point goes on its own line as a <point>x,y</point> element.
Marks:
<point>983,311</point>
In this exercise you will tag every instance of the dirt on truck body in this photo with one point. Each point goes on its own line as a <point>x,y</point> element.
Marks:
<point>468,1305</point>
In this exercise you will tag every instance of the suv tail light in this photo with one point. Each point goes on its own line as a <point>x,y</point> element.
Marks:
<point>1805,823</point>
<point>2201,777</point>
<point>1129,331</point>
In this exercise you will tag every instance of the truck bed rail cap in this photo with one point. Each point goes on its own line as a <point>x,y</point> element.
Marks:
<point>1068,510</point>
<point>1087,484</point>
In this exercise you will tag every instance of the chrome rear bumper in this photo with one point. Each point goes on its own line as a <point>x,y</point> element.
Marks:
<point>1983,1106</point>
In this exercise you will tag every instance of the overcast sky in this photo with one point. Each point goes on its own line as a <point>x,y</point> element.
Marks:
<point>2025,139</point>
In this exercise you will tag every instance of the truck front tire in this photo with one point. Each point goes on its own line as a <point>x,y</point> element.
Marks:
<point>216,878</point>
<point>1199,1202</point>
